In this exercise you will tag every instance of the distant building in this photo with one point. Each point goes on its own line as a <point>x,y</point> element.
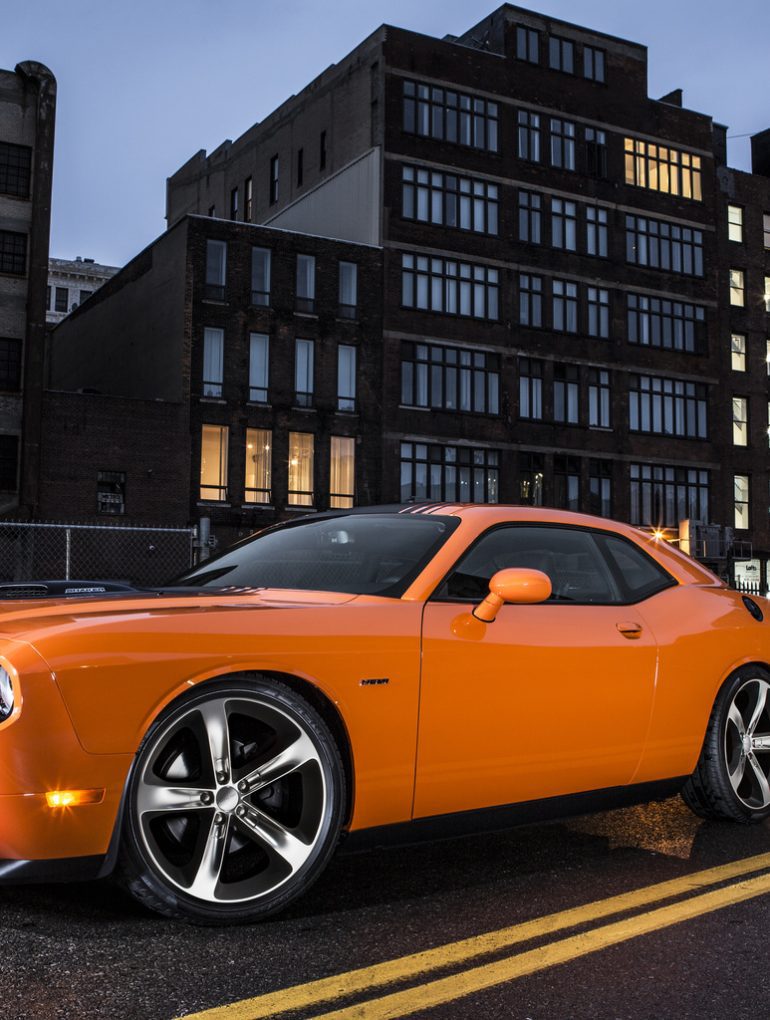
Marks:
<point>70,283</point>
<point>27,117</point>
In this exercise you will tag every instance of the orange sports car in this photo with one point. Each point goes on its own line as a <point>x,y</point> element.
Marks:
<point>211,741</point>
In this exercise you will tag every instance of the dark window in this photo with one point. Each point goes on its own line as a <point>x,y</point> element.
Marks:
<point>566,394</point>
<point>9,463</point>
<point>674,325</point>
<point>306,283</point>
<point>303,372</point>
<point>448,286</point>
<point>530,300</point>
<point>530,216</point>
<point>450,378</point>
<point>10,364</point>
<point>662,496</point>
<point>598,312</point>
<point>527,44</point>
<point>561,54</point>
<point>348,290</point>
<point>62,299</point>
<point>111,492</point>
<point>566,482</point>
<point>599,398</point>
<point>300,166</point>
<point>15,169</point>
<point>212,210</point>
<point>274,169</point>
<point>48,299</point>
<point>531,475</point>
<point>260,276</point>
<point>234,204</point>
<point>13,253</point>
<point>565,306</point>
<point>667,407</point>
<point>664,245</point>
<point>450,116</point>
<point>528,136</point>
<point>449,200</point>
<point>530,388</point>
<point>600,487</point>
<point>248,199</point>
<point>216,270</point>
<point>593,63</point>
<point>596,231</point>
<point>84,295</point>
<point>562,143</point>
<point>322,151</point>
<point>449,473</point>
<point>563,224</point>
<point>596,152</point>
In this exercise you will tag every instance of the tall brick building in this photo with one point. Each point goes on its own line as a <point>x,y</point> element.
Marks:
<point>556,321</point>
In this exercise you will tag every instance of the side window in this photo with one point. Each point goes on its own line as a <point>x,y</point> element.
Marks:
<point>569,556</point>
<point>638,573</point>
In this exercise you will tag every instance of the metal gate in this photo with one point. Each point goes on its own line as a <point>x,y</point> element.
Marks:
<point>142,556</point>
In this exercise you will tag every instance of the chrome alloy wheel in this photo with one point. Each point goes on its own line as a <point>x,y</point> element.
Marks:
<point>231,798</point>
<point>747,744</point>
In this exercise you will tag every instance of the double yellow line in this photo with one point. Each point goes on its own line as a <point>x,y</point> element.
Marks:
<point>477,978</point>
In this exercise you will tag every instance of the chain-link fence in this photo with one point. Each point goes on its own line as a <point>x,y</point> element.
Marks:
<point>142,556</point>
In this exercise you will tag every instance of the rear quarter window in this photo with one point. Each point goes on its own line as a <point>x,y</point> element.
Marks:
<point>638,573</point>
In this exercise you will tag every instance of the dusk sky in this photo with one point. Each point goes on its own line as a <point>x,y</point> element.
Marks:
<point>144,84</point>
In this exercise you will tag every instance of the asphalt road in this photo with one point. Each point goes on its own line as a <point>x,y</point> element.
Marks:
<point>87,951</point>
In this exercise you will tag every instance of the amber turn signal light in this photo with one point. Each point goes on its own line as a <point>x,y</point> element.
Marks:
<point>73,798</point>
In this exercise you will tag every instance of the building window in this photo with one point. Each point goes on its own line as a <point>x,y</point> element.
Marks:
<point>565,306</point>
<point>259,466</point>
<point>303,373</point>
<point>13,253</point>
<point>450,378</point>
<point>600,487</point>
<point>566,394</point>
<point>662,496</point>
<point>10,364</point>
<point>661,168</point>
<point>527,44</point>
<point>274,171</point>
<point>234,204</point>
<point>451,201</point>
<point>9,463</point>
<point>563,224</point>
<point>596,152</point>
<point>530,300</point>
<point>348,290</point>
<point>673,325</point>
<point>84,295</point>
<point>738,352</point>
<point>530,389</point>
<point>528,136</point>
<point>306,283</point>
<point>322,151</point>
<point>593,63</point>
<point>599,398</point>
<point>598,312</point>
<point>61,301</point>
<point>110,492</point>
<point>448,286</point>
<point>449,473</point>
<point>530,217</point>
<point>213,361</point>
<point>216,269</point>
<point>735,223</point>
<point>766,229</point>
<point>596,231</point>
<point>667,407</point>
<point>566,482</point>
<point>248,200</point>
<point>662,245</point>
<point>562,143</point>
<point>15,169</point>
<point>300,166</point>
<point>260,276</point>
<point>737,287</point>
<point>531,475</point>
<point>259,367</point>
<point>740,421</point>
<point>561,54</point>
<point>212,210</point>
<point>342,474</point>
<point>767,294</point>
<point>450,116</point>
<point>741,497</point>
<point>301,451</point>
<point>48,299</point>
<point>214,444</point>
<point>346,378</point>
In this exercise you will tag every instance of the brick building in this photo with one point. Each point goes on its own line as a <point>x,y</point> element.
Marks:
<point>27,116</point>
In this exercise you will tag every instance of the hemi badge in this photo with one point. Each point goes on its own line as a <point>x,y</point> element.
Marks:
<point>374,681</point>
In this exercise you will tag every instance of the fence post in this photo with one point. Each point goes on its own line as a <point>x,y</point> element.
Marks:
<point>67,553</point>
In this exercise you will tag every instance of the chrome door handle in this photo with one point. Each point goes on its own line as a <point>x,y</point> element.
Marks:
<point>629,629</point>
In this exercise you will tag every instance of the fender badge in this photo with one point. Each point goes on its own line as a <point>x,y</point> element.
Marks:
<point>374,681</point>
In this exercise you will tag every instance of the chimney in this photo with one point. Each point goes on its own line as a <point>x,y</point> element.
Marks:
<point>760,153</point>
<point>673,98</point>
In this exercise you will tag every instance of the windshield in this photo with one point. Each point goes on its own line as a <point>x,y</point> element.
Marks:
<point>357,554</point>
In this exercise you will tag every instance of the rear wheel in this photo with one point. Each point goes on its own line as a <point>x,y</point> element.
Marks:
<point>732,778</point>
<point>234,806</point>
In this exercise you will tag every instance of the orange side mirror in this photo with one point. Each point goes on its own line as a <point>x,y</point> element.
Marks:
<point>515,584</point>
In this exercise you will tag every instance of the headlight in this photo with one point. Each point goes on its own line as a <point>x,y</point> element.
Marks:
<point>6,694</point>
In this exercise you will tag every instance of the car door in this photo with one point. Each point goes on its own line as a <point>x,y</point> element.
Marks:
<point>548,699</point>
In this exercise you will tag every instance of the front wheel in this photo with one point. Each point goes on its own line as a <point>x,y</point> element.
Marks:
<point>732,777</point>
<point>235,804</point>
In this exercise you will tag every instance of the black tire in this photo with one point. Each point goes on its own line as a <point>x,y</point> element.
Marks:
<point>184,830</point>
<point>728,749</point>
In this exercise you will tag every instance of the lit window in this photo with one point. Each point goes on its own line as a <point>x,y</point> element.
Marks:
<point>216,269</point>
<point>348,296</point>
<point>259,460</point>
<point>213,361</point>
<point>214,444</point>
<point>300,469</point>
<point>260,276</point>
<point>767,355</point>
<point>343,472</point>
<point>738,352</point>
<point>740,421</point>
<point>737,288</point>
<point>303,375</point>
<point>767,294</point>
<point>735,223</point>
<point>661,168</point>
<point>741,497</point>
<point>346,377</point>
<point>305,283</point>
<point>259,367</point>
